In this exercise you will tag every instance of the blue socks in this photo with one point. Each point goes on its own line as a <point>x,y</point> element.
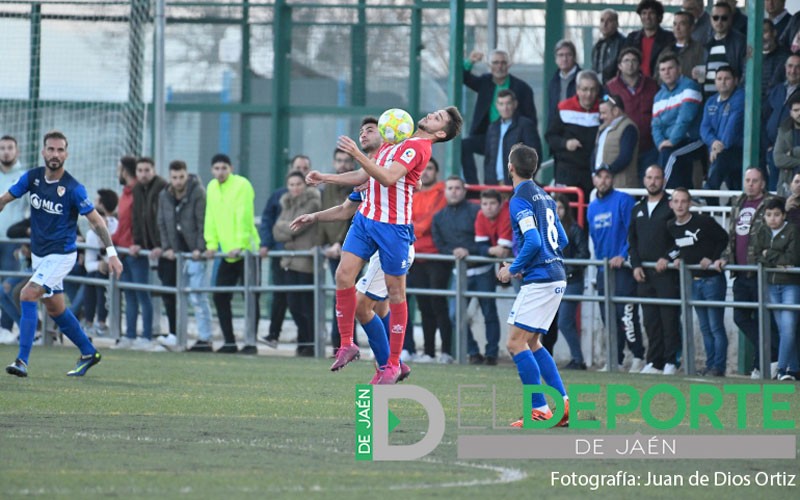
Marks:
<point>549,370</point>
<point>378,339</point>
<point>27,329</point>
<point>69,326</point>
<point>529,374</point>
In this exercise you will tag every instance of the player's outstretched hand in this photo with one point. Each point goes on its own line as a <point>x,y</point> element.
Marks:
<point>314,178</point>
<point>503,274</point>
<point>302,221</point>
<point>115,266</point>
<point>347,145</point>
<point>362,187</point>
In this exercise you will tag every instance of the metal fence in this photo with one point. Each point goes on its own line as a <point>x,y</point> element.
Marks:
<point>251,288</point>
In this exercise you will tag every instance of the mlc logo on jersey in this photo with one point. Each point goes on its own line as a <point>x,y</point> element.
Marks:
<point>46,205</point>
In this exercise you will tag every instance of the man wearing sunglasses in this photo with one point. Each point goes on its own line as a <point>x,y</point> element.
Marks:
<point>726,48</point>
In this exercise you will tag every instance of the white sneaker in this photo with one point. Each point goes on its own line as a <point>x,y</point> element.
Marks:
<point>773,370</point>
<point>637,365</point>
<point>755,374</point>
<point>649,370</point>
<point>405,356</point>
<point>670,369</point>
<point>170,341</point>
<point>142,344</point>
<point>7,338</point>
<point>620,368</point>
<point>445,359</point>
<point>423,358</point>
<point>124,343</point>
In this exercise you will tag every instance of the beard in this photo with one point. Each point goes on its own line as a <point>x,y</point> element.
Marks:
<point>651,190</point>
<point>8,164</point>
<point>54,164</point>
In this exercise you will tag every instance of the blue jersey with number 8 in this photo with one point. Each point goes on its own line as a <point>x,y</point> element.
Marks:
<point>539,233</point>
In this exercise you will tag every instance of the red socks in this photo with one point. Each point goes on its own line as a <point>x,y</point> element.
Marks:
<point>346,314</point>
<point>398,316</point>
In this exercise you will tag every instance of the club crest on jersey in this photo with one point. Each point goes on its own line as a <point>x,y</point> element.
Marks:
<point>61,190</point>
<point>409,155</point>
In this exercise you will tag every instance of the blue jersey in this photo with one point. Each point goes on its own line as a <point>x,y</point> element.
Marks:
<point>55,207</point>
<point>539,233</point>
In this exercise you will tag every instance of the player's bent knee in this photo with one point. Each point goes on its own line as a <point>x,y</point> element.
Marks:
<point>31,293</point>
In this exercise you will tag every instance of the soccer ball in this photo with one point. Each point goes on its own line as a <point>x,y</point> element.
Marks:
<point>395,125</point>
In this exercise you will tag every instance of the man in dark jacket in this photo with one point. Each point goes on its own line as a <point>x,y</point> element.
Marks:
<point>562,84</point>
<point>181,215</point>
<point>775,111</point>
<point>454,234</point>
<point>727,46</point>
<point>606,50</point>
<point>145,233</point>
<point>650,241</point>
<point>572,133</point>
<point>487,86</point>
<point>652,38</point>
<point>511,128</point>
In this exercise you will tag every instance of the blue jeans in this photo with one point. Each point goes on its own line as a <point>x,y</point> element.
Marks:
<point>137,270</point>
<point>7,304</point>
<point>194,274</point>
<point>787,321</point>
<point>646,159</point>
<point>567,322</point>
<point>711,319</point>
<point>726,168</point>
<point>485,282</point>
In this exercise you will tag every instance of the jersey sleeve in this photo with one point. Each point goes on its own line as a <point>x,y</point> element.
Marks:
<point>81,200</point>
<point>21,186</point>
<point>412,156</point>
<point>355,196</point>
<point>482,230</point>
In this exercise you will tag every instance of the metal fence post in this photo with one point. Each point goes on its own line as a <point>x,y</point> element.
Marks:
<point>611,316</point>
<point>461,311</point>
<point>319,304</point>
<point>114,306</point>
<point>687,319</point>
<point>181,313</point>
<point>764,325</point>
<point>250,281</point>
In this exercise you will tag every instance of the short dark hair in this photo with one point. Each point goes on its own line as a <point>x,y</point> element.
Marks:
<point>9,138</point>
<point>652,5</point>
<point>55,134</point>
<point>338,150</point>
<point>568,220</point>
<point>795,99</point>
<point>456,178</point>
<point>178,165</point>
<point>682,190</point>
<point>629,50</point>
<point>507,93</point>
<point>525,160</point>
<point>128,165</point>
<point>492,194</point>
<point>775,202</point>
<point>109,199</point>
<point>145,159</point>
<point>435,163</point>
<point>768,25</point>
<point>724,5</point>
<point>221,158</point>
<point>299,157</point>
<point>668,56</point>
<point>295,173</point>
<point>614,100</point>
<point>367,120</point>
<point>686,13</point>
<point>728,69</point>
<point>453,127</point>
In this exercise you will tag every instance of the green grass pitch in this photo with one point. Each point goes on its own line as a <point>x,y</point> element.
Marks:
<point>166,425</point>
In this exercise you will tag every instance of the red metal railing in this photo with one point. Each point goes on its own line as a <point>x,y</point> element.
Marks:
<point>579,203</point>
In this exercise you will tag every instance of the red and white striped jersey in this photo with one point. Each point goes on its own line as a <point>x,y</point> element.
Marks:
<point>392,204</point>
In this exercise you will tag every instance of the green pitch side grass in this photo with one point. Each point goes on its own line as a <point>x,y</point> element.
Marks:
<point>164,425</point>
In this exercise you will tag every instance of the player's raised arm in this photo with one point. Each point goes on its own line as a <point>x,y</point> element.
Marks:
<point>385,176</point>
<point>100,228</point>
<point>353,178</point>
<point>345,211</point>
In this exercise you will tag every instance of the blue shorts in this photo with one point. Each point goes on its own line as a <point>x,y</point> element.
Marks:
<point>391,241</point>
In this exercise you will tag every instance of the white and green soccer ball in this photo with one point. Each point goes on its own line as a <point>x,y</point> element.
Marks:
<point>395,125</point>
